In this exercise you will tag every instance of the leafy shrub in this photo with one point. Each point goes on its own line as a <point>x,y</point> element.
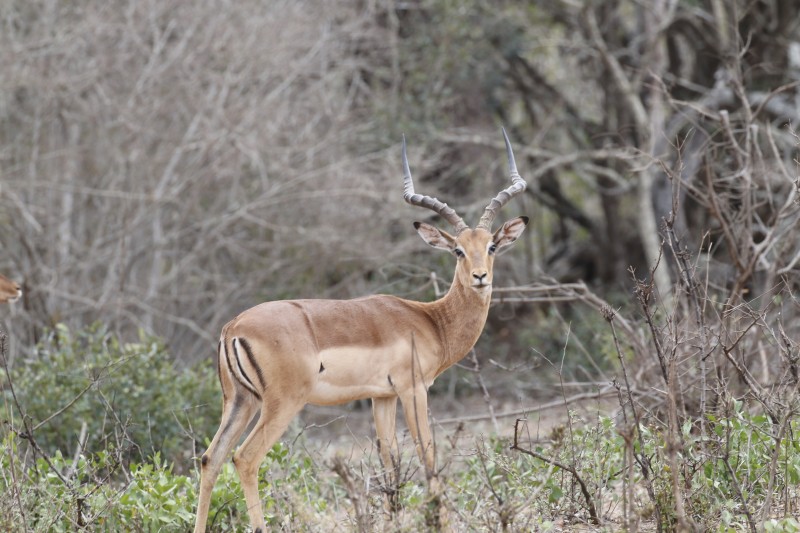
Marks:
<point>128,396</point>
<point>739,459</point>
<point>734,458</point>
<point>147,496</point>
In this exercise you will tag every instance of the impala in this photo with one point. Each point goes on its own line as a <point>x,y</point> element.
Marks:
<point>9,291</point>
<point>279,356</point>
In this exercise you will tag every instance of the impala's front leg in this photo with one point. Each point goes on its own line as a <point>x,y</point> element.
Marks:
<point>415,407</point>
<point>384,411</point>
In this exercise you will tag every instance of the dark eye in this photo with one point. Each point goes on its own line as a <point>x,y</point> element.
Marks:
<point>492,248</point>
<point>459,252</point>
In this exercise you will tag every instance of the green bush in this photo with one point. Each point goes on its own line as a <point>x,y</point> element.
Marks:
<point>130,397</point>
<point>148,496</point>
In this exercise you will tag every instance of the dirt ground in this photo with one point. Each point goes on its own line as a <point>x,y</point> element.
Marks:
<point>459,424</point>
<point>342,427</point>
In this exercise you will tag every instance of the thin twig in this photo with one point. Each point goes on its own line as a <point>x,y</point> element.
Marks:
<point>595,519</point>
<point>11,455</point>
<point>641,458</point>
<point>67,406</point>
<point>607,393</point>
<point>476,368</point>
<point>735,480</point>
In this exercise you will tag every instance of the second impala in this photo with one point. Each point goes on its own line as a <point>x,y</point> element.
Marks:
<point>279,356</point>
<point>9,290</point>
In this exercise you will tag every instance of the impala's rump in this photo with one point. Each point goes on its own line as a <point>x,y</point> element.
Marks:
<point>235,366</point>
<point>239,346</point>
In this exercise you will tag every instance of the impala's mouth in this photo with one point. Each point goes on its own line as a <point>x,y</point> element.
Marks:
<point>481,286</point>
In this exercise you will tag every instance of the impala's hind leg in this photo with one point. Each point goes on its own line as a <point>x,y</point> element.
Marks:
<point>276,414</point>
<point>236,414</point>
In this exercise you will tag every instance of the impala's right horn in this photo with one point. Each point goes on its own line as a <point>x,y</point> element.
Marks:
<point>428,202</point>
<point>517,186</point>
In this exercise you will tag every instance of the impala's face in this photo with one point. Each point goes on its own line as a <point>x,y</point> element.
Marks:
<point>475,252</point>
<point>9,291</point>
<point>474,249</point>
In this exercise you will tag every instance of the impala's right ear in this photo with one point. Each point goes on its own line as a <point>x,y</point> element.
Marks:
<point>435,237</point>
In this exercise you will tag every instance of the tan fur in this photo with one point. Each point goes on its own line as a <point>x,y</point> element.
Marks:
<point>9,290</point>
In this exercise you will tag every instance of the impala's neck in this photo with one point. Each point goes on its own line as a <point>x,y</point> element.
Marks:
<point>460,315</point>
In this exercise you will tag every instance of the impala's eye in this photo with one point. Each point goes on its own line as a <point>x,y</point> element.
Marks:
<point>492,248</point>
<point>459,252</point>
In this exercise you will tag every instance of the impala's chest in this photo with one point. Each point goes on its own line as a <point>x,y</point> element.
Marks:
<point>460,335</point>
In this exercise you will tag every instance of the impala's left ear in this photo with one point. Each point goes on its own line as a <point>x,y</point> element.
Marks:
<point>509,232</point>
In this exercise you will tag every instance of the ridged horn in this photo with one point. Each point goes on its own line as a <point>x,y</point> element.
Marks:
<point>428,202</point>
<point>517,186</point>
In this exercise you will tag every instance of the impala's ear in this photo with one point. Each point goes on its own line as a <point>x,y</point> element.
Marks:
<point>435,237</point>
<point>509,232</point>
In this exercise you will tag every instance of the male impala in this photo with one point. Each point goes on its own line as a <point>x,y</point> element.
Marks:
<point>9,291</point>
<point>278,356</point>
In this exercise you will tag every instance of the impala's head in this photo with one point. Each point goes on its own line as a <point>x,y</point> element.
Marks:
<point>9,291</point>
<point>474,249</point>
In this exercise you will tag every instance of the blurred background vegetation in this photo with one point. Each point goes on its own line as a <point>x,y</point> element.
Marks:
<point>166,165</point>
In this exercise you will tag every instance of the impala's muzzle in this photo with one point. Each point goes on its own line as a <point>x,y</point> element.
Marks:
<point>13,296</point>
<point>480,278</point>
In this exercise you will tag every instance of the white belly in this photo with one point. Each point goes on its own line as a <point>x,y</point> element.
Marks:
<point>355,373</point>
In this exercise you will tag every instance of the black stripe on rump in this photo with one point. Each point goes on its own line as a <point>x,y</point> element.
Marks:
<point>250,357</point>
<point>247,383</point>
<point>220,354</point>
<point>228,364</point>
